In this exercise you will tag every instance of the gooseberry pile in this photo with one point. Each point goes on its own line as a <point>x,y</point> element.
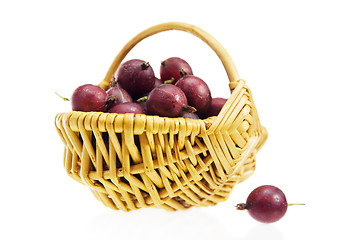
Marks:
<point>136,89</point>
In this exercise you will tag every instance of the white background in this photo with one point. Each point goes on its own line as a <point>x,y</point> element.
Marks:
<point>301,60</point>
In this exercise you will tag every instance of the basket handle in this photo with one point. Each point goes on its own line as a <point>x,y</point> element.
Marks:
<point>207,38</point>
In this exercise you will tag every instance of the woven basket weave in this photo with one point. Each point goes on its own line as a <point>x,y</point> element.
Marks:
<point>133,161</point>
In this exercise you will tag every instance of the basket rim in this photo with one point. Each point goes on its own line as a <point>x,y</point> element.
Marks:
<point>72,116</point>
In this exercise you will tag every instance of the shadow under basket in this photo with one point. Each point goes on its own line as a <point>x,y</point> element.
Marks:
<point>130,161</point>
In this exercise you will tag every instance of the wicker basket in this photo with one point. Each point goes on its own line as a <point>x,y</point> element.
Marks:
<point>133,161</point>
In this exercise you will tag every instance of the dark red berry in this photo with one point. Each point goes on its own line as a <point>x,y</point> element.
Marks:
<point>143,99</point>
<point>197,93</point>
<point>143,102</point>
<point>190,115</point>
<point>215,106</point>
<point>89,98</point>
<point>117,95</point>
<point>173,69</point>
<point>167,100</point>
<point>266,204</point>
<point>129,107</point>
<point>136,77</point>
<point>157,82</point>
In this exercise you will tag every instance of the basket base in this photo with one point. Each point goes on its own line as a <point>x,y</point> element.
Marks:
<point>195,193</point>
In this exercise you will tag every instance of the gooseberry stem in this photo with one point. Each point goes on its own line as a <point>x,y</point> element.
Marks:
<point>189,109</point>
<point>64,98</point>
<point>182,72</point>
<point>142,99</point>
<point>169,81</point>
<point>113,82</point>
<point>145,65</point>
<point>111,99</point>
<point>243,206</point>
<point>294,204</point>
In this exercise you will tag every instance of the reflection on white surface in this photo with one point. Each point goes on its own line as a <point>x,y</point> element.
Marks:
<point>264,231</point>
<point>192,224</point>
<point>158,224</point>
